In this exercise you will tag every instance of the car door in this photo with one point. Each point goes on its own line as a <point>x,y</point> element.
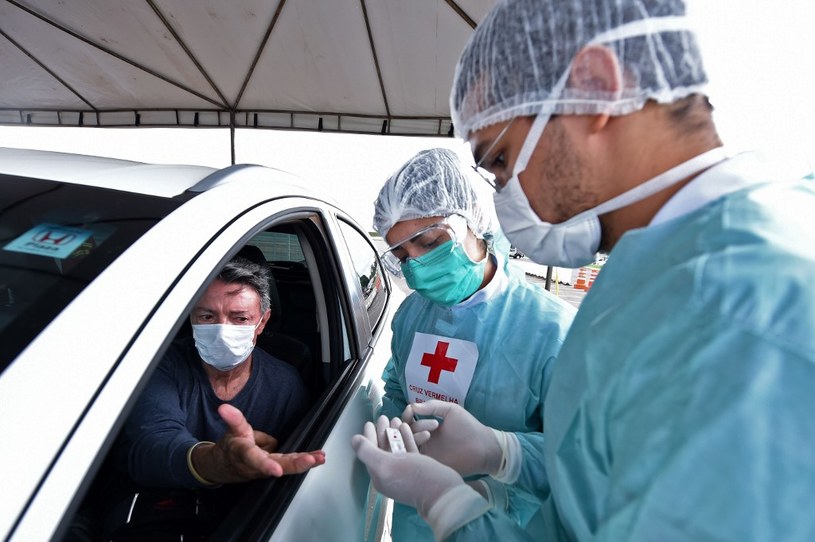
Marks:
<point>342,351</point>
<point>337,500</point>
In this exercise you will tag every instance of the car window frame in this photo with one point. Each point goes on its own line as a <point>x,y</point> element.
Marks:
<point>267,501</point>
<point>59,486</point>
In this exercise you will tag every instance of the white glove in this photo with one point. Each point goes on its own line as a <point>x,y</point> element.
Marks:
<point>437,492</point>
<point>460,441</point>
<point>410,478</point>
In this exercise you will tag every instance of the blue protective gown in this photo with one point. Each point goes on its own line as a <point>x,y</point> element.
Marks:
<point>519,329</point>
<point>682,405</point>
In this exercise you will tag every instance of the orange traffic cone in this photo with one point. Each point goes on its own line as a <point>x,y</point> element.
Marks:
<point>581,283</point>
<point>592,278</point>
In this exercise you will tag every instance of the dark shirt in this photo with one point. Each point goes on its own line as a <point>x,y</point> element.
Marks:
<point>179,408</point>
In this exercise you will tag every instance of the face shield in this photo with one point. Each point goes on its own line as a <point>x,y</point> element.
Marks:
<point>446,235</point>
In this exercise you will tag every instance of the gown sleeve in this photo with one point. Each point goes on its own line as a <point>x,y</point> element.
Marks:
<point>725,417</point>
<point>394,400</point>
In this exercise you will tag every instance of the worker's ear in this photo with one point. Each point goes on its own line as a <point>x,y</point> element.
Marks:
<point>595,69</point>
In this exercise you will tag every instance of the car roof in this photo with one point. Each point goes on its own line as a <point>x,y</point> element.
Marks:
<point>162,180</point>
<point>165,180</point>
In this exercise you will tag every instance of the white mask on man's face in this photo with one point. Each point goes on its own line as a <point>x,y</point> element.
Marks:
<point>224,346</point>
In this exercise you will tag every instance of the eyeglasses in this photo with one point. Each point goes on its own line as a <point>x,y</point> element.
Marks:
<point>417,244</point>
<point>488,177</point>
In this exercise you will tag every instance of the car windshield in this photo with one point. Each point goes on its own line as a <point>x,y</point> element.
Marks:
<point>55,238</point>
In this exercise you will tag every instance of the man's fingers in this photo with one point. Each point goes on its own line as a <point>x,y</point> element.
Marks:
<point>298,462</point>
<point>265,441</point>
<point>256,463</point>
<point>235,422</point>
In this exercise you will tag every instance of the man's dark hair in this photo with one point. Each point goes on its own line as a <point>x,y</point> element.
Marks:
<point>243,271</point>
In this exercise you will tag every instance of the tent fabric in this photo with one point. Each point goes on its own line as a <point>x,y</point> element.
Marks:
<point>362,66</point>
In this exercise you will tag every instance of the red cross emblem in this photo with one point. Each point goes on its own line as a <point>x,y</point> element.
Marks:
<point>438,362</point>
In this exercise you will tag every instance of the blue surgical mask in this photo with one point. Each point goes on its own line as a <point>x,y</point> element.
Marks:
<point>446,275</point>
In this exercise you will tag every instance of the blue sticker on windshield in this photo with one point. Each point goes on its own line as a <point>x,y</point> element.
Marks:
<point>51,240</point>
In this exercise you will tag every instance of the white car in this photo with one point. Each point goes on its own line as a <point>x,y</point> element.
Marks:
<point>515,253</point>
<point>100,263</point>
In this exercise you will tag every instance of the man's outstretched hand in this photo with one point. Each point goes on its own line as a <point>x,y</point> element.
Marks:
<point>243,454</point>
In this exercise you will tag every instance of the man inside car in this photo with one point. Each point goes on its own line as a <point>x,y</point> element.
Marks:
<point>215,408</point>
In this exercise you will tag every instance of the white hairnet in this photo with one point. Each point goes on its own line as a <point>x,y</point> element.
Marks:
<point>432,183</point>
<point>516,62</point>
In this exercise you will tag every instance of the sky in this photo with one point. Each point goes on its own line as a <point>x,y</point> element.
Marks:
<point>759,56</point>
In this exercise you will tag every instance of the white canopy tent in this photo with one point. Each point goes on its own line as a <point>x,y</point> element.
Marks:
<point>360,66</point>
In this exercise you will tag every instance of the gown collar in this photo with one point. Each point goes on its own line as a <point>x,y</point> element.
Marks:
<point>730,175</point>
<point>493,287</point>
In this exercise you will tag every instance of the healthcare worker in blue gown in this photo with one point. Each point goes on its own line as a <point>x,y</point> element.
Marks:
<point>681,406</point>
<point>456,338</point>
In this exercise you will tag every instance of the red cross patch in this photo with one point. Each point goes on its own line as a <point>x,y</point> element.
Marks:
<point>440,368</point>
<point>438,362</point>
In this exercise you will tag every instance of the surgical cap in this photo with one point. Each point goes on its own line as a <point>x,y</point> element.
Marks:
<point>517,61</point>
<point>432,183</point>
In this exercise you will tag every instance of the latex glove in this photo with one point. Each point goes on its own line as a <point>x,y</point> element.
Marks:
<point>437,492</point>
<point>460,441</point>
<point>410,478</point>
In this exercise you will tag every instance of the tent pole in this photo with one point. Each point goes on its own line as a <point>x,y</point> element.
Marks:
<point>232,142</point>
<point>232,135</point>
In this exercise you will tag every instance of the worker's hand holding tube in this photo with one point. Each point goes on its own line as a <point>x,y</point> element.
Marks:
<point>460,441</point>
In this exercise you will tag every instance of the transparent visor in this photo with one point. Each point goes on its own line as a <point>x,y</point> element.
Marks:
<point>452,228</point>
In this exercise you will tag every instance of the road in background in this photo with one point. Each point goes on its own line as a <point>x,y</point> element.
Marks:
<point>563,279</point>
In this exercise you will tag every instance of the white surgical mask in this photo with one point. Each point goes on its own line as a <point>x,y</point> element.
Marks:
<point>574,242</point>
<point>224,346</point>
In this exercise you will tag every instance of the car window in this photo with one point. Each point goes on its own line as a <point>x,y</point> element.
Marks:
<point>278,246</point>
<point>308,330</point>
<point>293,332</point>
<point>55,238</point>
<point>368,271</point>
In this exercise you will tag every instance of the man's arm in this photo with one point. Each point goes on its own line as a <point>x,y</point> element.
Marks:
<point>156,436</point>
<point>238,457</point>
<point>163,453</point>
